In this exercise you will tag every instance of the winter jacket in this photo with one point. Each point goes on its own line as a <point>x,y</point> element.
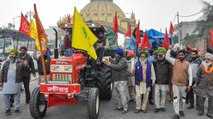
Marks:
<point>19,71</point>
<point>30,68</point>
<point>163,71</point>
<point>47,61</point>
<point>119,70</point>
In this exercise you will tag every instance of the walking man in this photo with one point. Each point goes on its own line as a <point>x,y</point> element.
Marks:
<point>11,79</point>
<point>195,63</point>
<point>27,71</point>
<point>144,80</point>
<point>163,71</point>
<point>120,77</point>
<point>204,85</point>
<point>182,72</point>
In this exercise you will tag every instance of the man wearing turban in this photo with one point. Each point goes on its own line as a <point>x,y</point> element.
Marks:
<point>11,80</point>
<point>204,85</point>
<point>144,80</point>
<point>120,78</point>
<point>163,71</point>
<point>27,71</point>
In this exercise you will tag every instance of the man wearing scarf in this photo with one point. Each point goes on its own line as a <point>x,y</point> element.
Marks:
<point>144,79</point>
<point>204,85</point>
<point>163,71</point>
<point>11,79</point>
<point>182,74</point>
<point>120,78</point>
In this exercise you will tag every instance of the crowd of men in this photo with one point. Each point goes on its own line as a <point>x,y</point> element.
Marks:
<point>17,68</point>
<point>182,72</point>
<point>139,77</point>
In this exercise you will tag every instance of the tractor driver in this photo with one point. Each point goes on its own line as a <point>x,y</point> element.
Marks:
<point>101,45</point>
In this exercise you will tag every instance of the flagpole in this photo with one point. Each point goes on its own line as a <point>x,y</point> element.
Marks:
<point>116,39</point>
<point>41,48</point>
<point>28,42</point>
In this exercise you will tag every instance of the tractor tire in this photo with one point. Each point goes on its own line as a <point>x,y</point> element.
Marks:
<point>104,82</point>
<point>93,103</point>
<point>38,104</point>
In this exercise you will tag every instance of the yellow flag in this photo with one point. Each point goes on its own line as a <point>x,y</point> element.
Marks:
<point>82,37</point>
<point>34,33</point>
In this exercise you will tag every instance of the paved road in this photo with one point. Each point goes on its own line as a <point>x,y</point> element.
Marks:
<point>79,111</point>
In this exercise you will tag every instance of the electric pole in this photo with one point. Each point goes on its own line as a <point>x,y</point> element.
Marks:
<point>179,38</point>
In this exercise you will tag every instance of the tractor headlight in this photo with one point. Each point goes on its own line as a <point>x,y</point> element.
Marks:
<point>67,68</point>
<point>55,68</point>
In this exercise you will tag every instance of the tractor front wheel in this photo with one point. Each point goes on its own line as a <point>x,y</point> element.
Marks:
<point>104,82</point>
<point>38,104</point>
<point>93,103</point>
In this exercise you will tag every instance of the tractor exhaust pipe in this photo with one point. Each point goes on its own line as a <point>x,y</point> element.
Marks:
<point>56,44</point>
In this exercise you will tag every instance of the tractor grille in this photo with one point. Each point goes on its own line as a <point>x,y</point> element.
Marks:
<point>62,77</point>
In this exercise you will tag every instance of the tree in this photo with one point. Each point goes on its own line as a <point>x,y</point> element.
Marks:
<point>205,22</point>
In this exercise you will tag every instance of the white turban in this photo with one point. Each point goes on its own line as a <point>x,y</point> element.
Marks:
<point>209,55</point>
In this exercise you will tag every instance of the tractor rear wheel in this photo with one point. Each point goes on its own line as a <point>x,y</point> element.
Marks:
<point>38,104</point>
<point>93,103</point>
<point>104,82</point>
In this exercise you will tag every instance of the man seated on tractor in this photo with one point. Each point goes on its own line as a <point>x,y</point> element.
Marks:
<point>68,43</point>
<point>101,45</point>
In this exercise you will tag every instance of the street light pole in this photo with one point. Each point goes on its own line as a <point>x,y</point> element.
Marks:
<point>29,14</point>
<point>178,22</point>
<point>14,21</point>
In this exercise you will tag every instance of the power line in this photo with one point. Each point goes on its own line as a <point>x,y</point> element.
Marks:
<point>192,14</point>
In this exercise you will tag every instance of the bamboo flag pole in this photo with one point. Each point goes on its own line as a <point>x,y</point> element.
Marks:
<point>38,25</point>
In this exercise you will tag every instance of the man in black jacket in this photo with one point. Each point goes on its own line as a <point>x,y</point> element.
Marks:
<point>27,71</point>
<point>163,71</point>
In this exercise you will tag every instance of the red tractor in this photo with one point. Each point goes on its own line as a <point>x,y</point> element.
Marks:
<point>69,79</point>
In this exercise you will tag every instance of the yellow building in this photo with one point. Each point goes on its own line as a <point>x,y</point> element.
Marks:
<point>103,12</point>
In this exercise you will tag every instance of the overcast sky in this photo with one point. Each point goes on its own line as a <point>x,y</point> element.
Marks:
<point>152,13</point>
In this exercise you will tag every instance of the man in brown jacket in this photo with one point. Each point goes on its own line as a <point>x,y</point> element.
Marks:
<point>182,72</point>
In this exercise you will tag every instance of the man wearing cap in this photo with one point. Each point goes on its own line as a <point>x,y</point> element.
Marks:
<point>163,71</point>
<point>120,78</point>
<point>204,85</point>
<point>11,79</point>
<point>144,79</point>
<point>182,74</point>
<point>27,71</point>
